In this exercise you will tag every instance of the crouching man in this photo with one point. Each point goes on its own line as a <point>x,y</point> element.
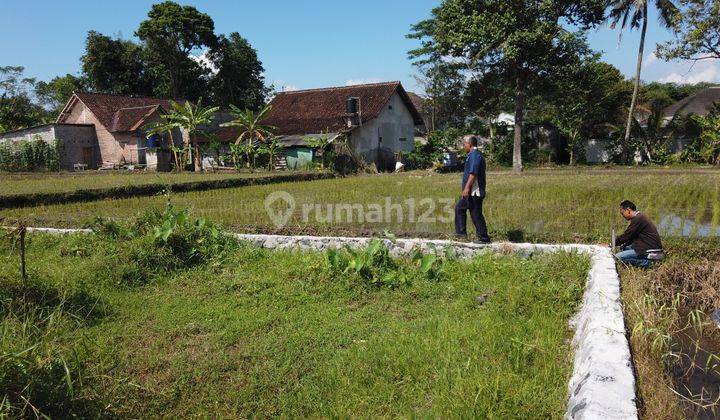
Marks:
<point>640,243</point>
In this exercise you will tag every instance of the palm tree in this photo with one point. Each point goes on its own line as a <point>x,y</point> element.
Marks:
<point>635,14</point>
<point>250,126</point>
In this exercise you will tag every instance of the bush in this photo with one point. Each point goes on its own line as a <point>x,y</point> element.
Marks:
<point>30,155</point>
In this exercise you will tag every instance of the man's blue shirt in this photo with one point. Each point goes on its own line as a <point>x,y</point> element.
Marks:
<point>475,164</point>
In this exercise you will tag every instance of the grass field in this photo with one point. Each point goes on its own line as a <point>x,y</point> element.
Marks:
<point>566,205</point>
<point>32,183</point>
<point>259,333</point>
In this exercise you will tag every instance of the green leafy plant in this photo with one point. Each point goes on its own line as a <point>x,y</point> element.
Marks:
<point>374,266</point>
<point>272,149</point>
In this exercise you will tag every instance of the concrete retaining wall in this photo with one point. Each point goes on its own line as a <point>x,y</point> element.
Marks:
<point>602,385</point>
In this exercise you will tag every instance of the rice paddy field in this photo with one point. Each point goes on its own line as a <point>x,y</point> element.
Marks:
<point>33,183</point>
<point>258,333</point>
<point>555,205</point>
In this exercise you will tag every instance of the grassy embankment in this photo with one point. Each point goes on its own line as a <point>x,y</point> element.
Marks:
<point>142,327</point>
<point>33,183</point>
<point>676,346</point>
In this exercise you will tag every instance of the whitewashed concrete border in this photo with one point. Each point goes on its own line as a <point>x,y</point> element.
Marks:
<point>602,385</point>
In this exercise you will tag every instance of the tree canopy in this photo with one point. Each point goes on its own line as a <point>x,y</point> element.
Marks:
<point>170,34</point>
<point>17,109</point>
<point>239,79</point>
<point>114,66</point>
<point>697,36</point>
<point>516,43</point>
<point>165,63</point>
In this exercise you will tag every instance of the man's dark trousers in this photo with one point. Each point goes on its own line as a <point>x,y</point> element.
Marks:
<point>474,204</point>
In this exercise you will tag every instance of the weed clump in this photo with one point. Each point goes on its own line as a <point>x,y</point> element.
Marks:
<point>157,243</point>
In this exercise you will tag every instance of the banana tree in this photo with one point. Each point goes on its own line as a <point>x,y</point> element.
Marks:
<point>251,129</point>
<point>190,117</point>
<point>272,148</point>
<point>320,143</point>
<point>161,127</point>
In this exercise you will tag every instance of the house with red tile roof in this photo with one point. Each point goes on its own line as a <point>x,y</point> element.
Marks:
<point>376,120</point>
<point>120,126</point>
<point>98,129</point>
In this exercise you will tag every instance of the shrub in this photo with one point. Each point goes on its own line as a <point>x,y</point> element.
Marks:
<point>30,155</point>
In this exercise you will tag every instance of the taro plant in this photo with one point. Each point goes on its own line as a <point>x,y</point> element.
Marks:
<point>374,265</point>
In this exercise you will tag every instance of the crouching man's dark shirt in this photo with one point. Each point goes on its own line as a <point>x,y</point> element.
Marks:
<point>641,235</point>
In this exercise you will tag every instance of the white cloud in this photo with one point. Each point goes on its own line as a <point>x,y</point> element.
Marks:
<point>650,59</point>
<point>363,81</point>
<point>701,72</point>
<point>204,61</point>
<point>672,78</point>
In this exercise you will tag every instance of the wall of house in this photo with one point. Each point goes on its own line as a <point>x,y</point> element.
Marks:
<point>73,138</point>
<point>380,138</point>
<point>107,144</point>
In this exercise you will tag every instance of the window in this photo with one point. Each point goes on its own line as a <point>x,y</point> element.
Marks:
<point>389,106</point>
<point>403,138</point>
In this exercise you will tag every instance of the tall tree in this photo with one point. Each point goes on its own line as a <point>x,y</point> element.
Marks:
<point>444,86</point>
<point>17,110</point>
<point>239,79</point>
<point>170,34</point>
<point>517,41</point>
<point>697,33</point>
<point>634,13</point>
<point>55,93</point>
<point>114,66</point>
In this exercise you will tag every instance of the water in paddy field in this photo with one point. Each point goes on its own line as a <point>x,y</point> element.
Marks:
<point>674,225</point>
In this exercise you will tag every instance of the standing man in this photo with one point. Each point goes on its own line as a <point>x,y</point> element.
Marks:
<point>473,193</point>
<point>640,240</point>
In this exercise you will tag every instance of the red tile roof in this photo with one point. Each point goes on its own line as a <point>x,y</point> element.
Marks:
<point>318,110</point>
<point>119,112</point>
<point>130,119</point>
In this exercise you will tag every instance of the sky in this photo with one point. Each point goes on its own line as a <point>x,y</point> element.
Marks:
<point>302,44</point>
